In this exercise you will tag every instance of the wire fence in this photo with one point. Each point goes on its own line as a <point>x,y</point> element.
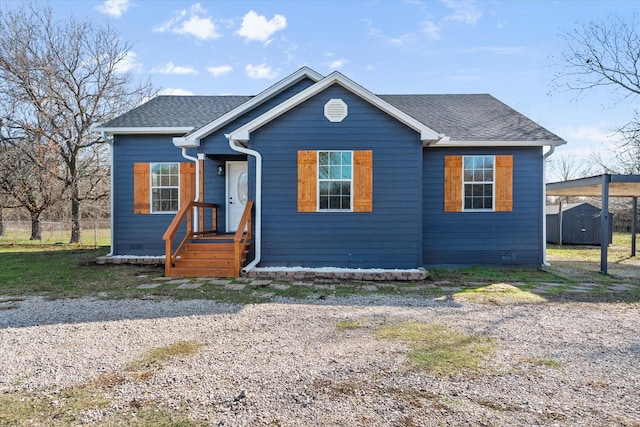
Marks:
<point>93,232</point>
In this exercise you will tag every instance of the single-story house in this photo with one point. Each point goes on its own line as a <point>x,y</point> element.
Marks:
<point>579,224</point>
<point>317,171</point>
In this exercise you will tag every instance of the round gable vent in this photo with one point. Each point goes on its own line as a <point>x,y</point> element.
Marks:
<point>335,110</point>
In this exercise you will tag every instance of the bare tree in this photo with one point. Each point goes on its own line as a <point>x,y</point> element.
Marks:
<point>60,78</point>
<point>606,54</point>
<point>30,185</point>
<point>565,168</point>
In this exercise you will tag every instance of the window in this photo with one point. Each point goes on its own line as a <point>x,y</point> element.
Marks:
<point>478,182</point>
<point>334,180</point>
<point>156,191</point>
<point>165,187</point>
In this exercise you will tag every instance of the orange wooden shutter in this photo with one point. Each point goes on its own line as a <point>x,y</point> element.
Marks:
<point>453,183</point>
<point>141,188</point>
<point>504,184</point>
<point>363,181</point>
<point>187,182</point>
<point>307,181</point>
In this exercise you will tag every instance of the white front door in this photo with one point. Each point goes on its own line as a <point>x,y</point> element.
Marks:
<point>237,193</point>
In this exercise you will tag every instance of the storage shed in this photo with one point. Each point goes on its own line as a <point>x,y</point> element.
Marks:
<point>581,224</point>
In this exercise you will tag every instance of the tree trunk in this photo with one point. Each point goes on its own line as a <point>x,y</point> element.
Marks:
<point>36,231</point>
<point>1,221</point>
<point>75,213</point>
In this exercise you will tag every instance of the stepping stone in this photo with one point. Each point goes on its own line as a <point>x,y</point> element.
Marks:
<point>621,288</point>
<point>190,286</point>
<point>234,286</point>
<point>279,286</point>
<point>579,290</point>
<point>330,287</point>
<point>178,281</point>
<point>149,286</point>
<point>218,281</point>
<point>260,282</point>
<point>369,288</point>
<point>164,279</point>
<point>307,284</point>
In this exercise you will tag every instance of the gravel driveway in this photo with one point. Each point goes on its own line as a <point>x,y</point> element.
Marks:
<point>289,364</point>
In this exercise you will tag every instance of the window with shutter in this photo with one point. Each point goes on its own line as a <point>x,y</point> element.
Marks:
<point>335,181</point>
<point>478,183</point>
<point>162,187</point>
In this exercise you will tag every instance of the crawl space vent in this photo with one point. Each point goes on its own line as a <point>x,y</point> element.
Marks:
<point>335,110</point>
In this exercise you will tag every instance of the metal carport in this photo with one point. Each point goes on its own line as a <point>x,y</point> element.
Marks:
<point>604,186</point>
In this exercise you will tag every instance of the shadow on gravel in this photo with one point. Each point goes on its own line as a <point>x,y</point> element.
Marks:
<point>36,311</point>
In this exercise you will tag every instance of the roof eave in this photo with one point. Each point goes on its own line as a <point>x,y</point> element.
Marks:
<point>144,130</point>
<point>446,142</point>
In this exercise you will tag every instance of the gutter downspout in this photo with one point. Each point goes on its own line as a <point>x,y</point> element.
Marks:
<point>197,199</point>
<point>258,223</point>
<point>545,156</point>
<point>109,141</point>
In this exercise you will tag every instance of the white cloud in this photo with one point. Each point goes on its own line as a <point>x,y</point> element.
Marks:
<point>192,22</point>
<point>173,91</point>
<point>128,63</point>
<point>431,29</point>
<point>257,28</point>
<point>464,12</point>
<point>262,71</point>
<point>113,8</point>
<point>590,133</point>
<point>171,68</point>
<point>220,70</point>
<point>338,63</point>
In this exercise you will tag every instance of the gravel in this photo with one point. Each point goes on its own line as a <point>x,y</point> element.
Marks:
<point>289,364</point>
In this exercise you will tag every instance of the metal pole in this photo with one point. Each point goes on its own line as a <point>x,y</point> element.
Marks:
<point>634,225</point>
<point>604,221</point>
<point>560,223</point>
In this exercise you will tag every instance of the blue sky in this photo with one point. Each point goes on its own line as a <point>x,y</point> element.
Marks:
<point>509,49</point>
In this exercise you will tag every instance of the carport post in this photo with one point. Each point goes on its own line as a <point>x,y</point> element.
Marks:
<point>604,219</point>
<point>634,225</point>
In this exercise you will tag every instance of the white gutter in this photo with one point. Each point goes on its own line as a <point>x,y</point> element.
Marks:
<point>258,222</point>
<point>545,156</point>
<point>197,199</point>
<point>144,130</point>
<point>112,202</point>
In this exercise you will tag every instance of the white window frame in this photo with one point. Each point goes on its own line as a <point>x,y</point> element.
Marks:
<point>492,182</point>
<point>319,180</point>
<point>154,187</point>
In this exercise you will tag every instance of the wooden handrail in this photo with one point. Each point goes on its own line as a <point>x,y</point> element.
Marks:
<point>242,239</point>
<point>186,213</point>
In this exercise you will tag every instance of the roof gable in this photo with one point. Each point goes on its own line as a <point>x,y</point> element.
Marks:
<point>194,138</point>
<point>243,133</point>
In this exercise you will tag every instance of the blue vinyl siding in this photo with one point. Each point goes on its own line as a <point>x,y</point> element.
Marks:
<point>138,234</point>
<point>484,238</point>
<point>388,237</point>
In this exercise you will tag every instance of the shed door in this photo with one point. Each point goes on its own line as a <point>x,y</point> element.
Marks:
<point>237,193</point>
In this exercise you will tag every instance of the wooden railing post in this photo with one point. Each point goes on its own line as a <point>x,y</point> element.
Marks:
<point>185,213</point>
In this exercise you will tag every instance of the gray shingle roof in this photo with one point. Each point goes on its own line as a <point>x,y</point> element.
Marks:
<point>470,117</point>
<point>178,111</point>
